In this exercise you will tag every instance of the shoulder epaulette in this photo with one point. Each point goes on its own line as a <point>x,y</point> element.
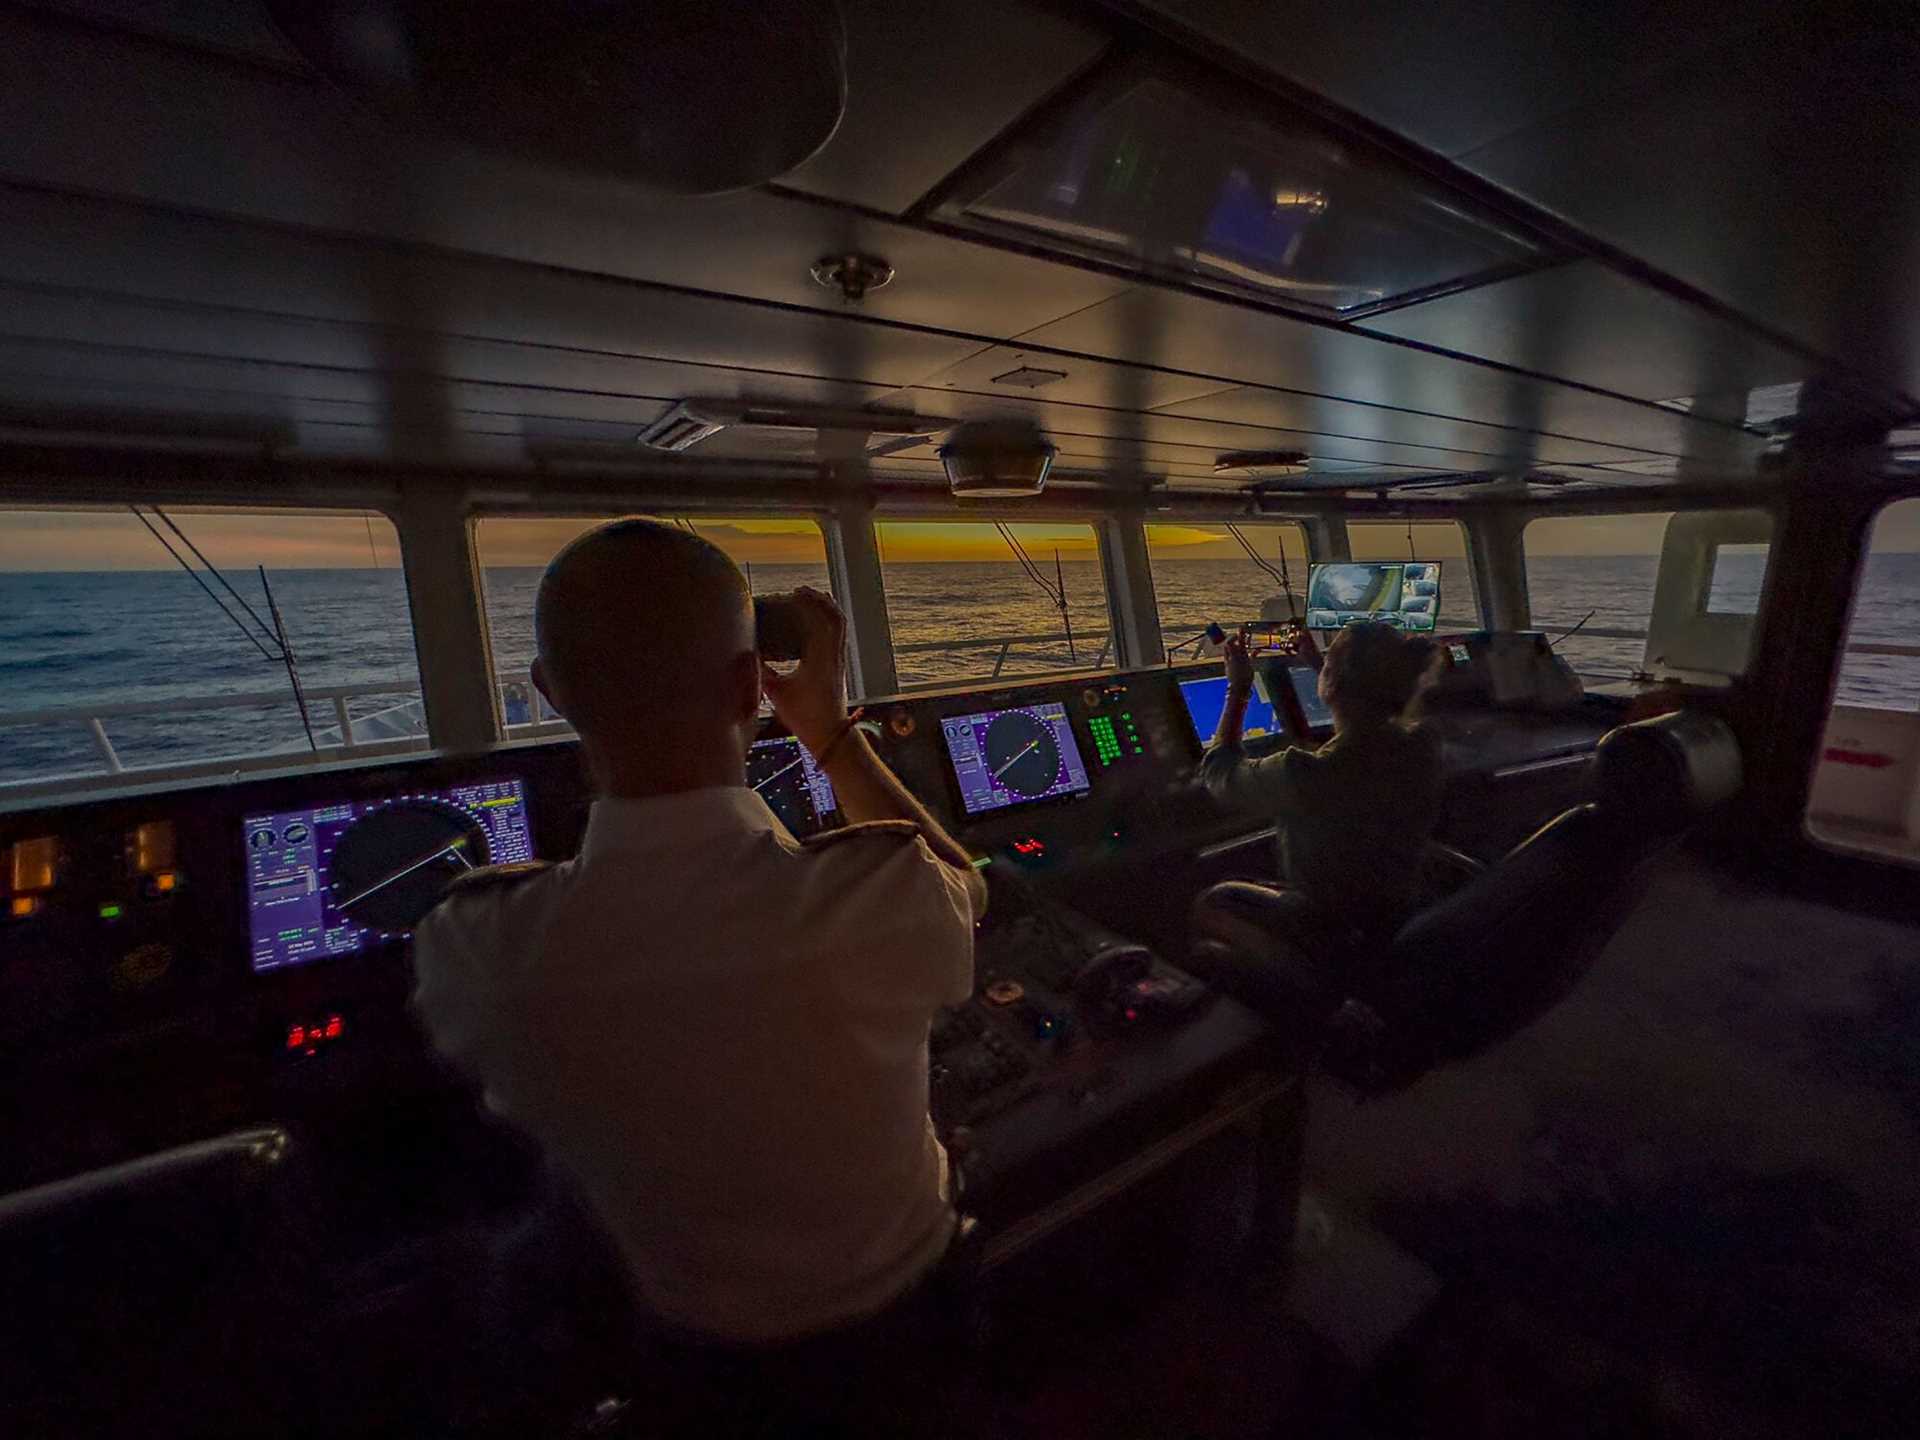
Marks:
<point>894,829</point>
<point>494,877</point>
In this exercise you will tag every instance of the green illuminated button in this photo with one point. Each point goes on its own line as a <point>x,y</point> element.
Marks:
<point>110,910</point>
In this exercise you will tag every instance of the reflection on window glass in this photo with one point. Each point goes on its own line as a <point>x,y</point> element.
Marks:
<point>970,600</point>
<point>1886,613</point>
<point>1738,573</point>
<point>1600,569</point>
<point>115,656</point>
<point>1428,540</point>
<point>1866,779</point>
<point>1203,574</point>
<point>776,554</point>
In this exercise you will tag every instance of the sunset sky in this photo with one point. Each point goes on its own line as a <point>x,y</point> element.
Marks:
<point>114,540</point>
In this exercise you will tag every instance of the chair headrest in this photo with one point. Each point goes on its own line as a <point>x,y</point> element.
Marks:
<point>1672,767</point>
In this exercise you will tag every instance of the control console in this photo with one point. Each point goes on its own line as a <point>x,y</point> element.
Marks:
<point>1051,986</point>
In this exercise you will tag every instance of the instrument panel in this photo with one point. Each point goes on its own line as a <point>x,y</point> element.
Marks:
<point>235,939</point>
<point>278,894</point>
<point>330,880</point>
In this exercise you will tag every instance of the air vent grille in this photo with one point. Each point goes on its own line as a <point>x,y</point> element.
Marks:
<point>679,429</point>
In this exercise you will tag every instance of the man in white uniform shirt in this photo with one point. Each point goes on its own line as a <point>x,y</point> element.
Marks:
<point>718,1031</point>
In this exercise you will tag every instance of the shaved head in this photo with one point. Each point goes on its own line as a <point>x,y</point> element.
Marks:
<point>645,642</point>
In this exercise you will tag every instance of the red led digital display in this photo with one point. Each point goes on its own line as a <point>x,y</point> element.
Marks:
<point>307,1038</point>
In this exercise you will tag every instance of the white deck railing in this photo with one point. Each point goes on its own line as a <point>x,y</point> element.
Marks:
<point>401,727</point>
<point>1005,646</point>
<point>391,730</point>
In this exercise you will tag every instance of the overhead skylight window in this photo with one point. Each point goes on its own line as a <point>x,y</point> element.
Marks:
<point>1154,175</point>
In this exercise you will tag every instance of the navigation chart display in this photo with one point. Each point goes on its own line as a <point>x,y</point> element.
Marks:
<point>334,879</point>
<point>1405,595</point>
<point>1207,697</point>
<point>1011,757</point>
<point>783,774</point>
<point>1306,689</point>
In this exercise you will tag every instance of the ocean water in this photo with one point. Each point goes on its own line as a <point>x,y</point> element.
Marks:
<point>69,640</point>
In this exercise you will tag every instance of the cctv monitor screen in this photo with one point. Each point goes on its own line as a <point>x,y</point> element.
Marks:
<point>1403,594</point>
<point>1013,757</point>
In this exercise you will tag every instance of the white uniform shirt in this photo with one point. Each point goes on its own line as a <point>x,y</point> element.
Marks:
<point>722,1034</point>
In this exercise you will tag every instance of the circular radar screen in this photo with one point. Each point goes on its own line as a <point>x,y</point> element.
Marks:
<point>392,865</point>
<point>1022,753</point>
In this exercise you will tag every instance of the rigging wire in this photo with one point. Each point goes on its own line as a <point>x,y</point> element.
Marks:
<point>1283,575</point>
<point>1575,631</point>
<point>167,520</point>
<point>293,670</point>
<point>181,561</point>
<point>1056,591</point>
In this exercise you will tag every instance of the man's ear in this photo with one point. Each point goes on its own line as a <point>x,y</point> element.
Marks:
<point>746,687</point>
<point>544,684</point>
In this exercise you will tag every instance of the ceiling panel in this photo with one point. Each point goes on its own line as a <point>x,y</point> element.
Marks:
<point>232,27</point>
<point>1780,175</point>
<point>1192,333</point>
<point>113,381</point>
<point>1455,76</point>
<point>1085,382</point>
<point>611,352</point>
<point>23,362</point>
<point>187,259</point>
<point>1584,323</point>
<point>106,398</point>
<point>1317,415</point>
<point>1204,438</point>
<point>931,82</point>
<point>285,150</point>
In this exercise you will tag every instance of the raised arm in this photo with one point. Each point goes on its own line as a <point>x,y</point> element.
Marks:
<point>1225,769</point>
<point>811,701</point>
<point>1233,715</point>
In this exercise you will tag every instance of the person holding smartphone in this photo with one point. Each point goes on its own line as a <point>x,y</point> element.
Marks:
<point>1352,818</point>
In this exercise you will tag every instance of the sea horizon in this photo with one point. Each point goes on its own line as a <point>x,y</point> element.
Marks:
<point>102,637</point>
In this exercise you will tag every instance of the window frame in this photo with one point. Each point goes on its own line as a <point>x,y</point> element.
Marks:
<point>1352,522</point>
<point>604,513</point>
<point>114,775</point>
<point>1173,643</point>
<point>1111,600</point>
<point>1867,845</point>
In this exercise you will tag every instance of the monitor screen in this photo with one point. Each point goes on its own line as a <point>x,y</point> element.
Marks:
<point>332,879</point>
<point>1011,757</point>
<point>1206,698</point>
<point>783,774</point>
<point>1306,689</point>
<point>1403,594</point>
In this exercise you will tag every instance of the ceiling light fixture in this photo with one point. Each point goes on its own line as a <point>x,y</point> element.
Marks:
<point>997,460</point>
<point>1262,463</point>
<point>854,275</point>
<point>1027,377</point>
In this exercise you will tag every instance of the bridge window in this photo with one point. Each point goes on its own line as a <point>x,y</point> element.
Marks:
<point>972,601</point>
<point>179,640</point>
<point>777,553</point>
<point>1204,573</point>
<point>1441,540</point>
<point>1600,570</point>
<point>1866,784</point>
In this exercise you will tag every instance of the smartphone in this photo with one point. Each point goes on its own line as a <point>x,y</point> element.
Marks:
<point>776,627</point>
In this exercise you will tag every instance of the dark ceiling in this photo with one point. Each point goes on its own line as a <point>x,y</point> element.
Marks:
<point>201,236</point>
